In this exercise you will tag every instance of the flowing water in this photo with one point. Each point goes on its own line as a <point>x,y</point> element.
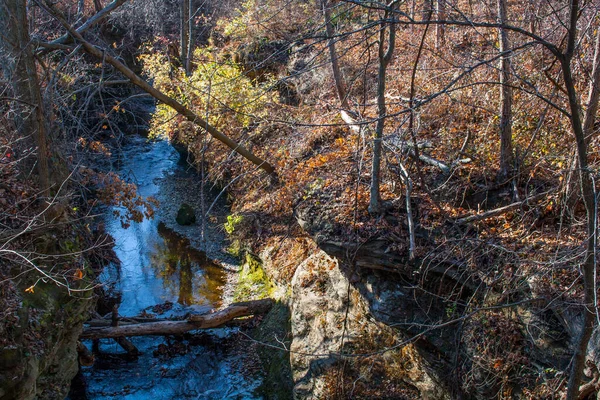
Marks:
<point>161,274</point>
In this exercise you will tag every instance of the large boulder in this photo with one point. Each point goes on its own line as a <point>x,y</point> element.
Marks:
<point>330,317</point>
<point>186,215</point>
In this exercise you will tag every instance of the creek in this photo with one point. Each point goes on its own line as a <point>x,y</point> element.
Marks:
<point>161,274</point>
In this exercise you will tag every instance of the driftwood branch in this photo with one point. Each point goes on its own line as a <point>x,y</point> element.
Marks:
<point>193,322</point>
<point>499,211</point>
<point>157,94</point>
<point>357,127</point>
<point>350,119</point>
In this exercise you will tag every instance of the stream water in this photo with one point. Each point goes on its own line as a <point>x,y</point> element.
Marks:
<point>161,274</point>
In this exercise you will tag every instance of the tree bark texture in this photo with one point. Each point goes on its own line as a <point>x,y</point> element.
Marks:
<point>191,37</point>
<point>385,56</point>
<point>20,69</point>
<point>440,29</point>
<point>588,266</point>
<point>506,97</point>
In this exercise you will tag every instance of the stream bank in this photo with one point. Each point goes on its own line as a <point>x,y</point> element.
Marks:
<point>162,273</point>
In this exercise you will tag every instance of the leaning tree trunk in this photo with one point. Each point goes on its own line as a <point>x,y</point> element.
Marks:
<point>19,68</point>
<point>506,148</point>
<point>158,95</point>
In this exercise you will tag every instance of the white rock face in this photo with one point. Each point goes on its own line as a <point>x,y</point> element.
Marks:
<point>318,305</point>
<point>328,313</point>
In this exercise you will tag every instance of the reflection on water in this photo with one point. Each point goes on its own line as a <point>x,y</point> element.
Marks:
<point>186,273</point>
<point>159,266</point>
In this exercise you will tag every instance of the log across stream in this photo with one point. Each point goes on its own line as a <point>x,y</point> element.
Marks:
<point>177,327</point>
<point>164,287</point>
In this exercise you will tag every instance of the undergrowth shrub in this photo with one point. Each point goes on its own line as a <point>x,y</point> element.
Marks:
<point>216,90</point>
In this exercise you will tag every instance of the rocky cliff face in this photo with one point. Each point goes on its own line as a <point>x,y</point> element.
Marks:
<point>368,322</point>
<point>41,320</point>
<point>38,358</point>
<point>339,346</point>
<point>335,334</point>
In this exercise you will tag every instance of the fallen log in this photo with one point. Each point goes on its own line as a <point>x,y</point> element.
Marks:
<point>193,322</point>
<point>100,323</point>
<point>499,211</point>
<point>127,346</point>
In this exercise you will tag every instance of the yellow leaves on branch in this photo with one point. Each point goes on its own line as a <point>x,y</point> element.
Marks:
<point>217,89</point>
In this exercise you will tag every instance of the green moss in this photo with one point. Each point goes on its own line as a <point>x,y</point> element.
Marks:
<point>233,221</point>
<point>235,249</point>
<point>253,282</point>
<point>274,329</point>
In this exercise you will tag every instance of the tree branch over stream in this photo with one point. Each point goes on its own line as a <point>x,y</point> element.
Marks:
<point>138,81</point>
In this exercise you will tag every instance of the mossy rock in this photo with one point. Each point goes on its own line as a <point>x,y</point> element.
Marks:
<point>253,282</point>
<point>186,215</point>
<point>275,327</point>
<point>41,358</point>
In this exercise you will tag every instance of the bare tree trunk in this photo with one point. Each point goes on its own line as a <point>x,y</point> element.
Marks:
<point>506,96</point>
<point>587,190</point>
<point>531,11</point>
<point>190,27</point>
<point>160,96</point>
<point>337,74</point>
<point>384,59</point>
<point>19,67</point>
<point>427,10</point>
<point>440,29</point>
<point>593,95</point>
<point>185,34</point>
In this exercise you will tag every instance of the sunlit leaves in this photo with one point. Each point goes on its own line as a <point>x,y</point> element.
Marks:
<point>216,90</point>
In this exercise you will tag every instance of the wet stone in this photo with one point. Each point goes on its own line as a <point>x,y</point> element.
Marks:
<point>186,215</point>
